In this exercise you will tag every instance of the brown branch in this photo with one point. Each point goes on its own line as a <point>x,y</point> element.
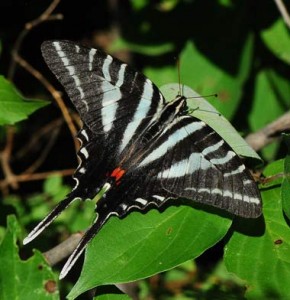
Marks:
<point>5,159</point>
<point>33,142</point>
<point>41,158</point>
<point>62,250</point>
<point>55,94</point>
<point>269,133</point>
<point>45,16</point>
<point>36,176</point>
<point>283,11</point>
<point>10,178</point>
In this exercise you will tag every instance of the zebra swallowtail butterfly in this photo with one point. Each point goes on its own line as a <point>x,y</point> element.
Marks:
<point>138,149</point>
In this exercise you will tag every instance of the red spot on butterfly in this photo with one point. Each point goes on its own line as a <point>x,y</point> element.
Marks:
<point>118,174</point>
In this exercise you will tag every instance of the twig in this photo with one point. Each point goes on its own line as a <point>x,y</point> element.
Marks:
<point>10,177</point>
<point>35,176</point>
<point>45,16</point>
<point>62,250</point>
<point>5,159</point>
<point>266,135</point>
<point>55,94</point>
<point>33,142</point>
<point>283,11</point>
<point>41,158</point>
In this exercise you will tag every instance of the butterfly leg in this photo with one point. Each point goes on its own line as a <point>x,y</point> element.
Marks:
<point>49,218</point>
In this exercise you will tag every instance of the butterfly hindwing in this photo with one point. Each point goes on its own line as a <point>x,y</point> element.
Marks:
<point>191,161</point>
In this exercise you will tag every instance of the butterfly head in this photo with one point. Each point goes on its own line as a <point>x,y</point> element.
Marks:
<point>180,105</point>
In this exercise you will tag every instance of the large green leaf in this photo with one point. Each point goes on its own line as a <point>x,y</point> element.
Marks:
<point>13,106</point>
<point>161,76</point>
<point>141,245</point>
<point>25,280</point>
<point>201,74</point>
<point>203,110</point>
<point>263,259</point>
<point>277,39</point>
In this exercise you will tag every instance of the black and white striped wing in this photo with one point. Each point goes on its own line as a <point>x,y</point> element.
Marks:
<point>115,104</point>
<point>204,168</point>
<point>113,100</point>
<point>189,160</point>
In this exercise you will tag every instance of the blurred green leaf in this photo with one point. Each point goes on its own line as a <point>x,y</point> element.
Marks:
<point>202,75</point>
<point>13,106</point>
<point>77,217</point>
<point>54,187</point>
<point>150,50</point>
<point>110,292</point>
<point>162,76</point>
<point>30,279</point>
<point>113,297</point>
<point>267,102</point>
<point>263,258</point>
<point>141,245</point>
<point>277,39</point>
<point>285,188</point>
<point>139,4</point>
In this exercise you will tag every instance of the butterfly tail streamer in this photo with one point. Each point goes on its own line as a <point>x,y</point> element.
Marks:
<point>88,236</point>
<point>49,219</point>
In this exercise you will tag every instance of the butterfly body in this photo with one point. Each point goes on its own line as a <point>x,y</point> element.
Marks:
<point>137,149</point>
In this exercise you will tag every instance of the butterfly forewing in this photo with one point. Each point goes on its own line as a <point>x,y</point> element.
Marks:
<point>113,100</point>
<point>139,149</point>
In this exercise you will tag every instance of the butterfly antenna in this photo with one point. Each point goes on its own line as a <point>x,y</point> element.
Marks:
<point>48,219</point>
<point>88,236</point>
<point>179,77</point>
<point>203,96</point>
<point>180,92</point>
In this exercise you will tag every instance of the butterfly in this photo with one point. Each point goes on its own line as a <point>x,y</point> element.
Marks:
<point>138,150</point>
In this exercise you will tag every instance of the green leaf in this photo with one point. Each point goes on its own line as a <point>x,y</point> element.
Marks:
<point>162,75</point>
<point>110,293</point>
<point>202,75</point>
<point>263,258</point>
<point>204,111</point>
<point>145,49</point>
<point>113,297</point>
<point>13,106</point>
<point>277,39</point>
<point>139,4</point>
<point>285,188</point>
<point>141,245</point>
<point>30,279</point>
<point>266,89</point>
<point>199,73</point>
